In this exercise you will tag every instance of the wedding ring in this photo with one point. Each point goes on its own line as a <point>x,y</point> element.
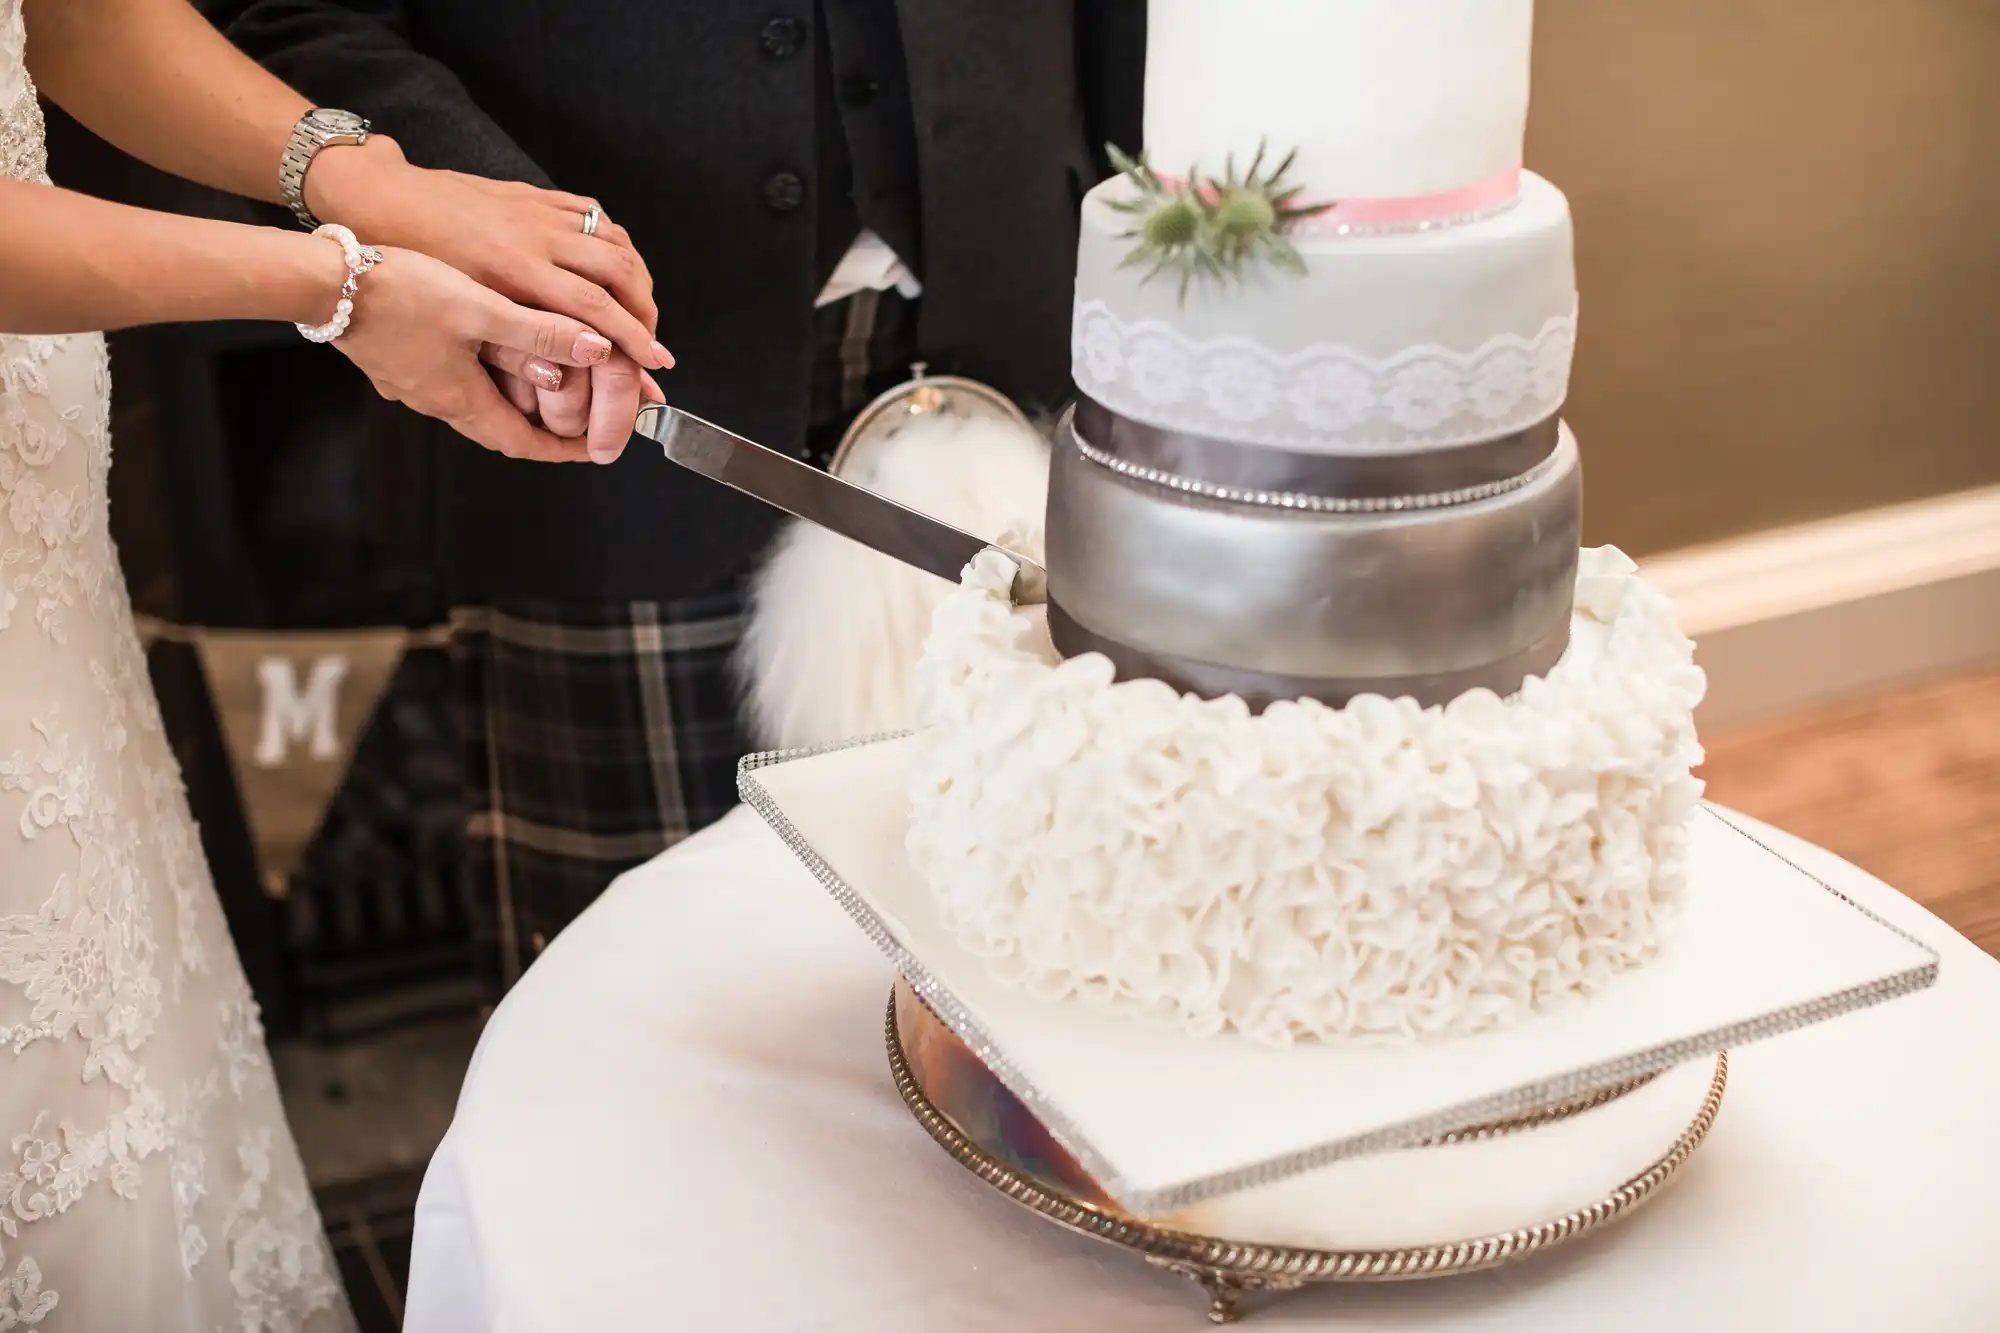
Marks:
<point>590,219</point>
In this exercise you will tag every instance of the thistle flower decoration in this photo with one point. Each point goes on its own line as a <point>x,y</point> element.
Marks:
<point>1209,228</point>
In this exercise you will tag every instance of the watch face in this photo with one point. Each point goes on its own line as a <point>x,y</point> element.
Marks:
<point>338,122</point>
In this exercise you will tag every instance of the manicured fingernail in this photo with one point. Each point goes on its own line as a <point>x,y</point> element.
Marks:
<point>545,375</point>
<point>605,455</point>
<point>590,348</point>
<point>663,356</point>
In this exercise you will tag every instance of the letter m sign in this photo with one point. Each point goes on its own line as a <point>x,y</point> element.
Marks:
<point>295,715</point>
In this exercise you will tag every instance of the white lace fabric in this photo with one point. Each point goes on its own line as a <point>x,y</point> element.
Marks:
<point>1379,872</point>
<point>147,1179</point>
<point>1325,398</point>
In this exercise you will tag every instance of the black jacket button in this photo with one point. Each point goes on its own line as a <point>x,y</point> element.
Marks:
<point>781,37</point>
<point>784,192</point>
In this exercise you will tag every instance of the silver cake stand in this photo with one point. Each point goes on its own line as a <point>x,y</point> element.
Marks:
<point>1227,1270</point>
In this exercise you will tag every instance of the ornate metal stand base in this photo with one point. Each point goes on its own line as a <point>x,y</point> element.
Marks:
<point>1227,1270</point>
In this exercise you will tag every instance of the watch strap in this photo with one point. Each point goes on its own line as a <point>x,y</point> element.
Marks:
<point>308,136</point>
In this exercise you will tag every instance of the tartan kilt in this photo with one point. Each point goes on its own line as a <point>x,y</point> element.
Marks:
<point>595,737</point>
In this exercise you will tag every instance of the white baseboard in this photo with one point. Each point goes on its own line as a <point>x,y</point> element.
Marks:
<point>1795,617</point>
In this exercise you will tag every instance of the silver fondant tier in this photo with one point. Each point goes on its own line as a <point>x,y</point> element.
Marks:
<point>1219,597</point>
<point>1387,345</point>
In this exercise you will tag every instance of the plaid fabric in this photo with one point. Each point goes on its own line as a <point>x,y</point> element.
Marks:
<point>597,736</point>
<point>864,347</point>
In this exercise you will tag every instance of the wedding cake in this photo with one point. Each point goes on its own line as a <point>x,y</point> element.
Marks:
<point>1258,793</point>
<point>1330,732</point>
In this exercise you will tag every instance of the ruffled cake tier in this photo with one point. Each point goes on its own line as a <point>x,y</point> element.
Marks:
<point>1379,871</point>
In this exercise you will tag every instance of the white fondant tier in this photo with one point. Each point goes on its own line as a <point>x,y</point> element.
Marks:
<point>1381,98</point>
<point>1379,871</point>
<point>1388,344</point>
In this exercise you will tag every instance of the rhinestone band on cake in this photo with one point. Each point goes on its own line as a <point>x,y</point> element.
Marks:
<point>1316,504</point>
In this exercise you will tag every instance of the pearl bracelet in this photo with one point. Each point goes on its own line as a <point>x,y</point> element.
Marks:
<point>360,258</point>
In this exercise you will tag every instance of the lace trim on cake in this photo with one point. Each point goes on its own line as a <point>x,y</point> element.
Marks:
<point>1324,397</point>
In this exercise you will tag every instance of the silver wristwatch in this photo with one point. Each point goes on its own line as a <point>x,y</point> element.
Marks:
<point>322,127</point>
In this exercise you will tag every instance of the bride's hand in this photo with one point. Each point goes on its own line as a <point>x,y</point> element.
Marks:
<point>420,330</point>
<point>523,242</point>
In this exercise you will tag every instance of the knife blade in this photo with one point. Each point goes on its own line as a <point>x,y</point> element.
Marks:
<point>859,514</point>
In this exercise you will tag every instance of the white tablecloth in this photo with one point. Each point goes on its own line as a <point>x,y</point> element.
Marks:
<point>682,1119</point>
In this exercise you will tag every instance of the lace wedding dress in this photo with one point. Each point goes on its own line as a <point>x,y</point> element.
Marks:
<point>148,1183</point>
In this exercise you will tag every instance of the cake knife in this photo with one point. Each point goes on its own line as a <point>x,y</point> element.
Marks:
<point>854,512</point>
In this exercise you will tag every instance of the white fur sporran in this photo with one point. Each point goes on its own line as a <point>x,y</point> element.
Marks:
<point>836,629</point>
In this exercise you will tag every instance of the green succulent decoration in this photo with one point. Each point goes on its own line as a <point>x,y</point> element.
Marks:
<point>1211,228</point>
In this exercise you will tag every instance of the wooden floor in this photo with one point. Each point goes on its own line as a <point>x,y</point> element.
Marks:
<point>1906,785</point>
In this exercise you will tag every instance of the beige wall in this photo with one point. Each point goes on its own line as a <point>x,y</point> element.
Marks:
<point>1788,246</point>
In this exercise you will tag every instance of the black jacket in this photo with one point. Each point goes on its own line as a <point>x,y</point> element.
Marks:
<point>693,122</point>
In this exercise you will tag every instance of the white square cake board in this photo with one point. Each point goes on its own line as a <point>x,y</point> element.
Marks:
<point>1164,1120</point>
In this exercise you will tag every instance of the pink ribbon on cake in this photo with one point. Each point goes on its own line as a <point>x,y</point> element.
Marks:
<point>1410,212</point>
<point>1464,204</point>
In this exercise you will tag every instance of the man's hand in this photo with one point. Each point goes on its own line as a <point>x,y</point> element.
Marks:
<point>571,403</point>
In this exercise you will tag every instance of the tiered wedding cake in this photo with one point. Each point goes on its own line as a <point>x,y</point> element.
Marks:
<point>1329,732</point>
<point>1332,752</point>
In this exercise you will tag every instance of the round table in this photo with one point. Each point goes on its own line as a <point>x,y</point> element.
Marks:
<point>682,1118</point>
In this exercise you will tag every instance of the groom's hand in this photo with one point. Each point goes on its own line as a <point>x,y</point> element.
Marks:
<point>599,402</point>
<point>523,242</point>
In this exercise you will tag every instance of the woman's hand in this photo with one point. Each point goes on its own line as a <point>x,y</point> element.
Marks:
<point>421,329</point>
<point>524,243</point>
